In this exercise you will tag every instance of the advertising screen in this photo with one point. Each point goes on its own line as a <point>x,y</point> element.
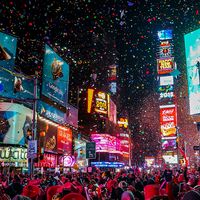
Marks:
<point>15,121</point>
<point>168,120</point>
<point>165,65</point>
<point>150,161</point>
<point>112,113</point>
<point>72,116</point>
<point>64,139</point>
<point>80,148</point>
<point>105,143</point>
<point>50,161</point>
<point>56,138</point>
<point>15,86</point>
<point>165,49</point>
<point>168,144</point>
<point>165,34</point>
<point>8,46</point>
<point>192,53</point>
<point>55,78</point>
<point>166,80</point>
<point>170,158</point>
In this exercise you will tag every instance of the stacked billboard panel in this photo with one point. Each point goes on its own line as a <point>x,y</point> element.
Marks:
<point>168,111</point>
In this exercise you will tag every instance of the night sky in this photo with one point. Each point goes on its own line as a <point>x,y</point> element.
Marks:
<point>91,35</point>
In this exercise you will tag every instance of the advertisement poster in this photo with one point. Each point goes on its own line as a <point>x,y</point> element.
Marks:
<point>101,102</point>
<point>166,80</point>
<point>105,143</point>
<point>168,144</point>
<point>165,65</point>
<point>48,130</point>
<point>112,114</point>
<point>8,46</point>
<point>80,149</point>
<point>51,113</point>
<point>50,161</point>
<point>64,139</point>
<point>55,78</point>
<point>168,120</point>
<point>13,86</point>
<point>165,34</point>
<point>192,53</point>
<point>165,49</point>
<point>15,121</point>
<point>170,157</point>
<point>72,116</point>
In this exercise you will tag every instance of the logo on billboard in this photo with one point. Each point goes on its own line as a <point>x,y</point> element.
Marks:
<point>165,49</point>
<point>165,65</point>
<point>101,102</point>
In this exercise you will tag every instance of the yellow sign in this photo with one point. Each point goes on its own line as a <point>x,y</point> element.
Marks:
<point>123,122</point>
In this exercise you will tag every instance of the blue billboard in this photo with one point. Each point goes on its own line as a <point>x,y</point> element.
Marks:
<point>8,46</point>
<point>192,53</point>
<point>51,113</point>
<point>15,86</point>
<point>55,78</point>
<point>165,34</point>
<point>16,121</point>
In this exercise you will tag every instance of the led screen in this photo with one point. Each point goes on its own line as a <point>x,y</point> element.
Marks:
<point>168,121</point>
<point>55,77</point>
<point>8,45</point>
<point>105,143</point>
<point>168,144</point>
<point>171,159</point>
<point>165,65</point>
<point>15,86</point>
<point>80,148</point>
<point>165,34</point>
<point>112,114</point>
<point>166,80</point>
<point>192,53</point>
<point>15,121</point>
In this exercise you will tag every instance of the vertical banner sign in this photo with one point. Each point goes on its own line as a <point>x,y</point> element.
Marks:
<point>165,65</point>
<point>55,78</point>
<point>32,149</point>
<point>90,150</point>
<point>168,121</point>
<point>192,53</point>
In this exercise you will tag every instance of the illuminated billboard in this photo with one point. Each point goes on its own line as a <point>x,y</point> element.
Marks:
<point>165,34</point>
<point>15,86</point>
<point>150,161</point>
<point>165,49</point>
<point>97,101</point>
<point>112,78</point>
<point>166,80</point>
<point>56,138</point>
<point>55,78</point>
<point>15,121</point>
<point>192,53</point>
<point>168,120</point>
<point>123,122</point>
<point>170,157</point>
<point>165,65</point>
<point>112,113</point>
<point>168,144</point>
<point>8,46</point>
<point>106,143</point>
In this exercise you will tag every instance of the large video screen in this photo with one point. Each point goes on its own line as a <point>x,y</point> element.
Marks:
<point>165,34</point>
<point>8,46</point>
<point>168,120</point>
<point>55,78</point>
<point>15,121</point>
<point>168,144</point>
<point>15,86</point>
<point>192,53</point>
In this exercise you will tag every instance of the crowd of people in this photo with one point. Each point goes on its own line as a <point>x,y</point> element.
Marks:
<point>131,184</point>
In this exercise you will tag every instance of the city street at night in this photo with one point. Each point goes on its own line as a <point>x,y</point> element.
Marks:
<point>100,100</point>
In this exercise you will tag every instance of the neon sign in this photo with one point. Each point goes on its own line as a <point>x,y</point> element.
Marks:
<point>101,103</point>
<point>165,66</point>
<point>123,122</point>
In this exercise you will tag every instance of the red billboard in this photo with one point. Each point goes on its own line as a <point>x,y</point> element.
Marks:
<point>64,139</point>
<point>50,161</point>
<point>168,120</point>
<point>112,113</point>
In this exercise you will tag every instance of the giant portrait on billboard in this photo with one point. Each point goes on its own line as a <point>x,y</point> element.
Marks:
<point>192,53</point>
<point>15,121</point>
<point>55,78</point>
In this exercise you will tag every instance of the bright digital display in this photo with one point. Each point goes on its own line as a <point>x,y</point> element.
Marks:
<point>166,80</point>
<point>55,78</point>
<point>108,164</point>
<point>170,157</point>
<point>166,88</point>
<point>165,65</point>
<point>149,161</point>
<point>164,95</point>
<point>101,102</point>
<point>165,34</point>
<point>15,121</point>
<point>80,149</point>
<point>165,49</point>
<point>168,144</point>
<point>106,143</point>
<point>112,113</point>
<point>112,78</point>
<point>168,121</point>
<point>8,46</point>
<point>123,122</point>
<point>50,161</point>
<point>17,87</point>
<point>192,53</point>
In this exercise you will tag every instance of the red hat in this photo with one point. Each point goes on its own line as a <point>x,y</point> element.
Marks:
<point>73,196</point>
<point>31,191</point>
